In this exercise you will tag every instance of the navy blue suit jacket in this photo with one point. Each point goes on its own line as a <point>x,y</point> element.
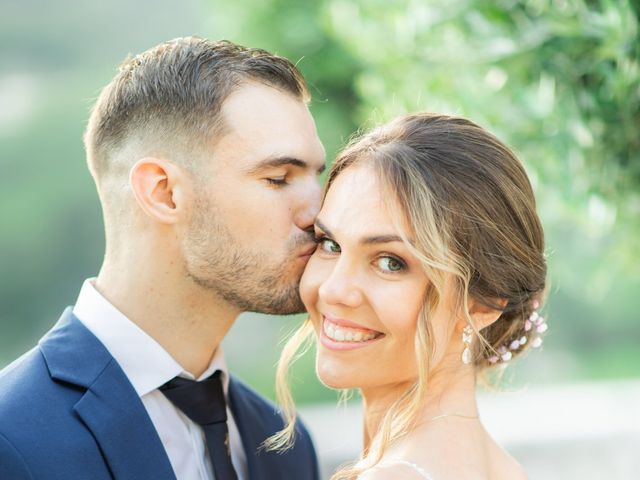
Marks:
<point>67,411</point>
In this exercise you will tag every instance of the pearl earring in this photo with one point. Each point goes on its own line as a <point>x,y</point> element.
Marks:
<point>467,337</point>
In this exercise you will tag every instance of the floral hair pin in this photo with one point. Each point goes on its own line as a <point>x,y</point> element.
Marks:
<point>536,323</point>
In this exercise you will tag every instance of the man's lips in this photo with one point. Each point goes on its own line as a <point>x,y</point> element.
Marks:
<point>308,251</point>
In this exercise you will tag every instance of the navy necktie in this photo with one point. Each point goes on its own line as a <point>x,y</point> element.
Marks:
<point>204,403</point>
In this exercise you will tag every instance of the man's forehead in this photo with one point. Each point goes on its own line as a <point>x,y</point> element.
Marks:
<point>261,126</point>
<point>252,103</point>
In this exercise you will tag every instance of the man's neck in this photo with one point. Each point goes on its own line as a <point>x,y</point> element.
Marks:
<point>188,321</point>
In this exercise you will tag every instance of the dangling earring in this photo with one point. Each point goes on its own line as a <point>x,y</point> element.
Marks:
<point>467,337</point>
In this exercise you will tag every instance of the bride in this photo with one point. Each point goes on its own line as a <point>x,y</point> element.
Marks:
<point>429,270</point>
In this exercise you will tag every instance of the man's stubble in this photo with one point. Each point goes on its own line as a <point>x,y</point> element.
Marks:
<point>252,281</point>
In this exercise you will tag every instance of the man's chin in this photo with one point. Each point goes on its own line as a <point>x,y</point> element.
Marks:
<point>272,291</point>
<point>283,306</point>
<point>286,300</point>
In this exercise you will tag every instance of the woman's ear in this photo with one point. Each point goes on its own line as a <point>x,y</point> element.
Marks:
<point>158,188</point>
<point>484,315</point>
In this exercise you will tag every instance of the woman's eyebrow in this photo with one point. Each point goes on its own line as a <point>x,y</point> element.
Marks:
<point>381,239</point>
<point>366,240</point>
<point>323,227</point>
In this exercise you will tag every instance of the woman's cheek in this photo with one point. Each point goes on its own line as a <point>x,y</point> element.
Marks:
<point>309,284</point>
<point>397,306</point>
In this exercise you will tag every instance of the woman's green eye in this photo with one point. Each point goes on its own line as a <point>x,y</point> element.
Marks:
<point>329,246</point>
<point>390,264</point>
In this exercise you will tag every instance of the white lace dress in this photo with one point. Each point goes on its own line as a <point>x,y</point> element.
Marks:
<point>403,465</point>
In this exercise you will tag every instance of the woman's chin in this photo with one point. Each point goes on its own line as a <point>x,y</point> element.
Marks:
<point>335,378</point>
<point>334,385</point>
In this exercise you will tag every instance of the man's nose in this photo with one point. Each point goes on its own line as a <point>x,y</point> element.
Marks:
<point>309,205</point>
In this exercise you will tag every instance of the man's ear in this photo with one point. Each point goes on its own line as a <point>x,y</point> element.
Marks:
<point>484,315</point>
<point>158,187</point>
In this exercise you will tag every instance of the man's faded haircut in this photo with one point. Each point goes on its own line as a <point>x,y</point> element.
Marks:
<point>171,95</point>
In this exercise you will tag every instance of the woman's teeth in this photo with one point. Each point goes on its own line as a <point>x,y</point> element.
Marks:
<point>345,334</point>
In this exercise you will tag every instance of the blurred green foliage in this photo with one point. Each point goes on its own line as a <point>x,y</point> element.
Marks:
<point>559,80</point>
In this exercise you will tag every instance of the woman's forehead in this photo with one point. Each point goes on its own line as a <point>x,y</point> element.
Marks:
<point>358,203</point>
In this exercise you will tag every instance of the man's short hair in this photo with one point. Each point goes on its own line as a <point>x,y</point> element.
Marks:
<point>172,95</point>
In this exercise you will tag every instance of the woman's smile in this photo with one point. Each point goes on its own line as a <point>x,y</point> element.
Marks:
<point>362,287</point>
<point>340,334</point>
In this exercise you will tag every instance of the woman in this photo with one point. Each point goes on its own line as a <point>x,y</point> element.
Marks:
<point>429,270</point>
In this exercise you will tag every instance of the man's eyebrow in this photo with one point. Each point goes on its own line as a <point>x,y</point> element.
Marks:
<point>273,162</point>
<point>366,240</point>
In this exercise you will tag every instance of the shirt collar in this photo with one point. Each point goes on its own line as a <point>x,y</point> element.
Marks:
<point>143,360</point>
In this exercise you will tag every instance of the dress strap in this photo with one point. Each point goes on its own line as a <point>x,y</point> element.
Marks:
<point>403,463</point>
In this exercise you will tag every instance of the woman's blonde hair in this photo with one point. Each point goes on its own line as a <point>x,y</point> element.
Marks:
<point>474,225</point>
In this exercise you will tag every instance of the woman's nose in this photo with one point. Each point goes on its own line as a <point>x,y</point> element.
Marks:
<point>341,286</point>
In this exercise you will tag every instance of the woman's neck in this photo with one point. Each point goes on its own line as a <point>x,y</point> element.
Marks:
<point>447,395</point>
<point>376,403</point>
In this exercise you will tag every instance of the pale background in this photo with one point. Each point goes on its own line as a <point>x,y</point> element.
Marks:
<point>558,80</point>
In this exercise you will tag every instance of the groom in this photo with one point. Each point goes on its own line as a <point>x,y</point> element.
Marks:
<point>206,162</point>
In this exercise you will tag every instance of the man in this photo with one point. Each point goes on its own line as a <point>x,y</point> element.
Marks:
<point>206,161</point>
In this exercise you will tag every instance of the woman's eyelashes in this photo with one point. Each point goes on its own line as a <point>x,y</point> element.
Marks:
<point>385,262</point>
<point>327,245</point>
<point>390,264</point>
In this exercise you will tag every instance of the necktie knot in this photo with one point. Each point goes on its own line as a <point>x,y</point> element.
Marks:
<point>203,402</point>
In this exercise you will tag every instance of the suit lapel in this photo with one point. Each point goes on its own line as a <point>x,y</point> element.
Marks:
<point>256,422</point>
<point>113,412</point>
<point>248,422</point>
<point>110,407</point>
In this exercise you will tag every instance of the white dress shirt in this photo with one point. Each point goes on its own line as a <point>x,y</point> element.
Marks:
<point>148,366</point>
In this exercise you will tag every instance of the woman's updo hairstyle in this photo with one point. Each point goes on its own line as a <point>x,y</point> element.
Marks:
<point>473,213</point>
<point>474,226</point>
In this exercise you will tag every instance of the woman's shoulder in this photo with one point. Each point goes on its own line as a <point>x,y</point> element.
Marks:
<point>391,470</point>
